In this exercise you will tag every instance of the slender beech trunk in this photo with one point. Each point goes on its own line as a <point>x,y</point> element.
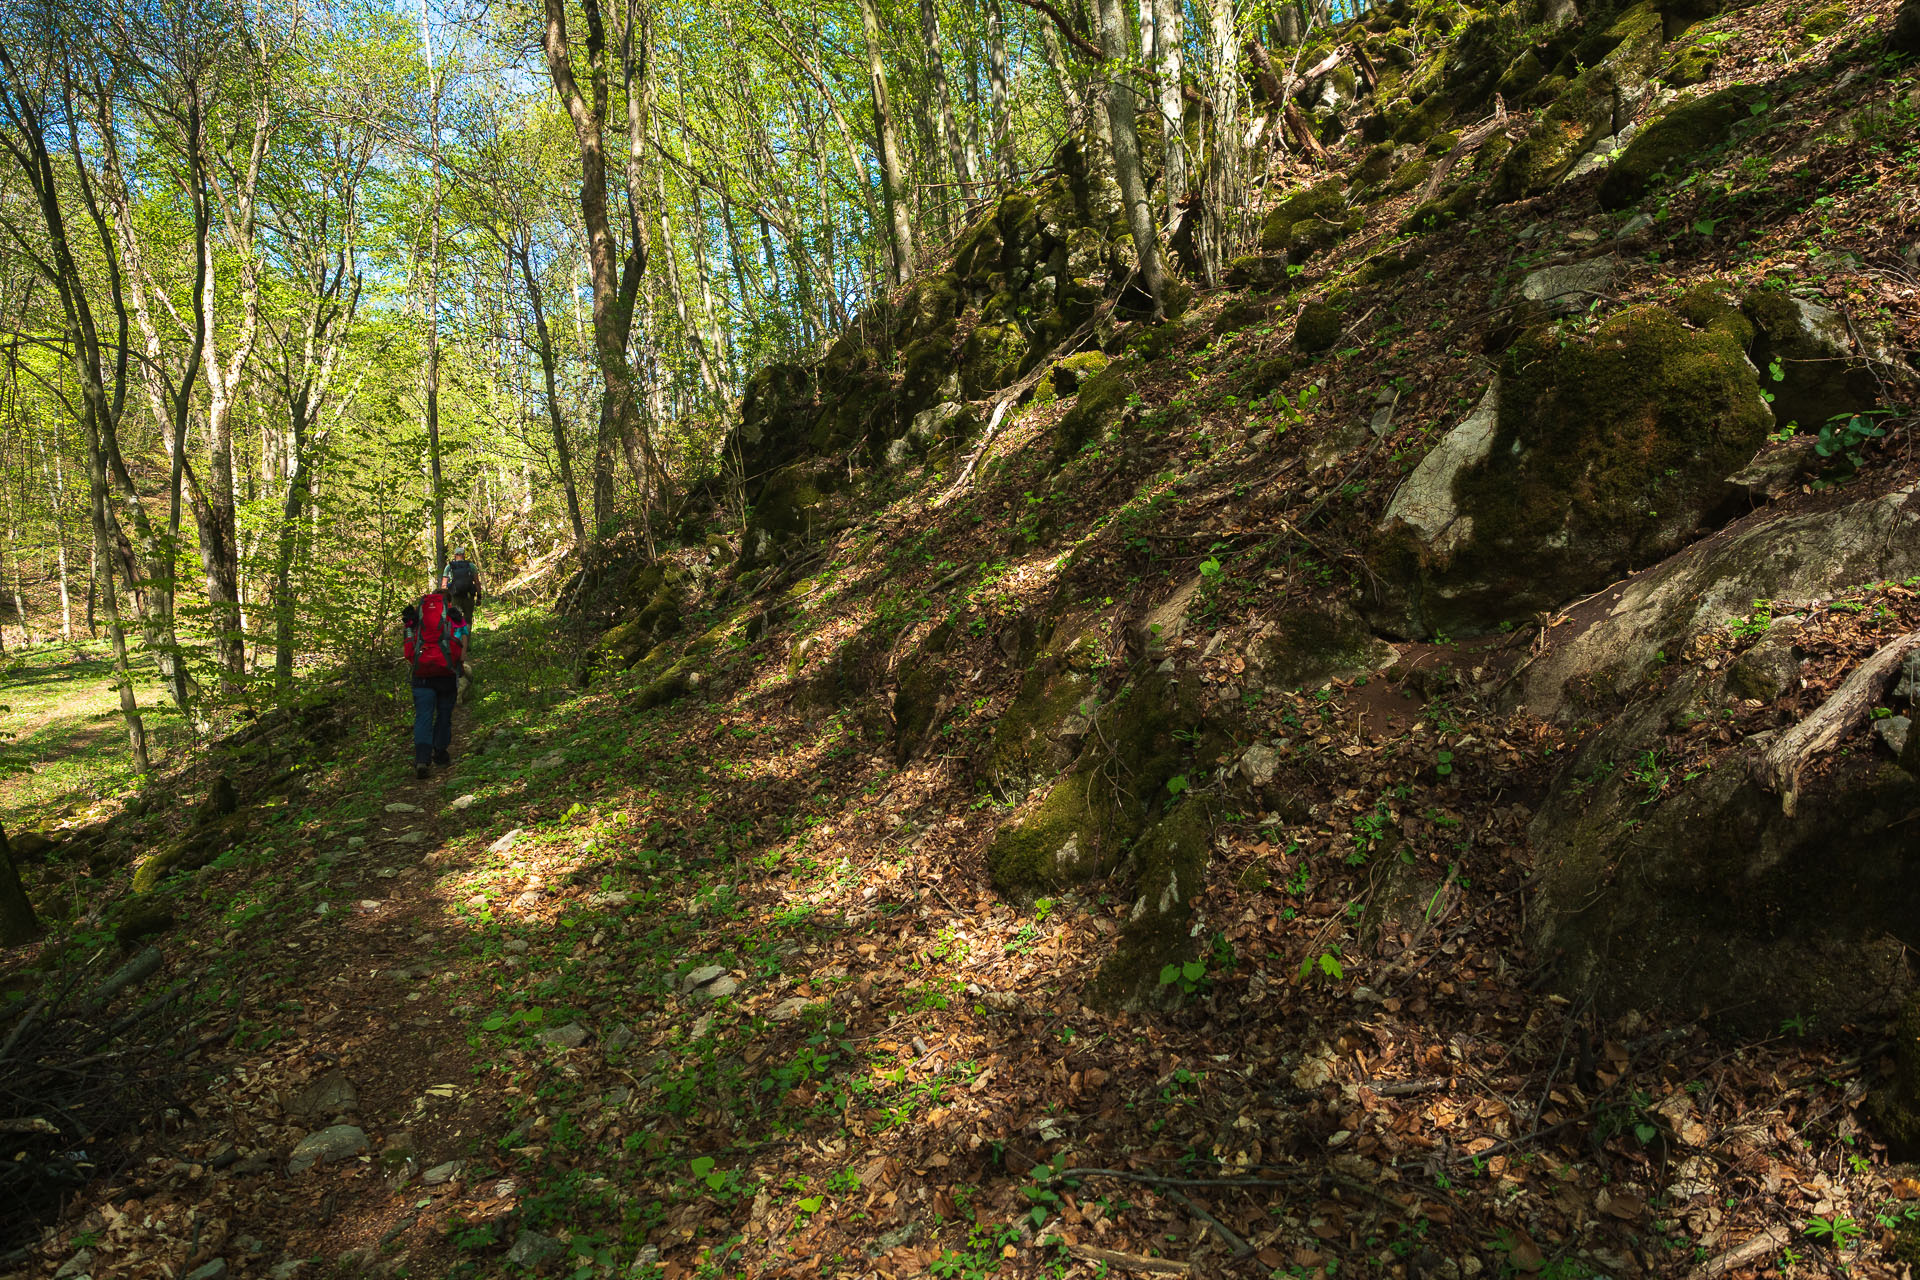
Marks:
<point>603,257</point>
<point>57,497</point>
<point>1224,224</point>
<point>689,323</point>
<point>1169,48</point>
<point>943,102</point>
<point>893,182</point>
<point>437,497</point>
<point>109,598</point>
<point>998,105</point>
<point>523,256</point>
<point>1126,151</point>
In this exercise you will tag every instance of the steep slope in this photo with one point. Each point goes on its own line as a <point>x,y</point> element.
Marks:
<point>1296,785</point>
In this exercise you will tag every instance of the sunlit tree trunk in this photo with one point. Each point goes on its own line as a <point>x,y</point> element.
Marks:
<point>961,172</point>
<point>563,452</point>
<point>1169,49</point>
<point>1001,123</point>
<point>1127,168</point>
<point>893,183</point>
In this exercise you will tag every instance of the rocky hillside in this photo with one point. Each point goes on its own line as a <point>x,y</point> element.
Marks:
<point>1403,768</point>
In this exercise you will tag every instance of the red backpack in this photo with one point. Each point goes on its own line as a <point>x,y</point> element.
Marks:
<point>433,648</point>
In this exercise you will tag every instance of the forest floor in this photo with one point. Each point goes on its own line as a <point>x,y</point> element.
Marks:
<point>488,975</point>
<point>720,988</point>
<point>64,747</point>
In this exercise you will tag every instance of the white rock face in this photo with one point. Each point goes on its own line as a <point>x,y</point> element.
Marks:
<point>1259,764</point>
<point>1425,500</point>
<point>336,1142</point>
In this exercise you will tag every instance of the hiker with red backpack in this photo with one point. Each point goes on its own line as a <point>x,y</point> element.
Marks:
<point>436,642</point>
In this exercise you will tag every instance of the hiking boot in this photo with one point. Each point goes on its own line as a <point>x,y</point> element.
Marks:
<point>420,771</point>
<point>442,759</point>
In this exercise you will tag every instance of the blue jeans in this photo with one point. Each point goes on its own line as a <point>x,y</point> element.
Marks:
<point>432,718</point>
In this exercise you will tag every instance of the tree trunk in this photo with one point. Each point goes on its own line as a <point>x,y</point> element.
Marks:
<point>437,496</point>
<point>610,318</point>
<point>893,183</point>
<point>1126,152</point>
<point>18,924</point>
<point>109,601</point>
<point>689,324</point>
<point>1224,221</point>
<point>943,103</point>
<point>1169,49</point>
<point>57,492</point>
<point>997,105</point>
<point>561,449</point>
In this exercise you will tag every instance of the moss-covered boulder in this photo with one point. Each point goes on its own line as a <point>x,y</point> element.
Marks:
<point>1807,355</point>
<point>1257,271</point>
<point>1905,35</point>
<point>1675,143</point>
<point>1697,894</point>
<point>925,368</point>
<point>1307,644</point>
<point>918,699</point>
<point>1087,820</point>
<point>1591,458</point>
<point>1041,733</point>
<point>991,358</point>
<point>1318,327</point>
<point>1170,862</point>
<point>784,514</point>
<point>1323,204</point>
<point>1101,401</point>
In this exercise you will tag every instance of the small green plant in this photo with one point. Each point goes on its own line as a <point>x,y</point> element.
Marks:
<point>1757,623</point>
<point>1836,1231</point>
<point>1187,976</point>
<point>1327,964</point>
<point>1845,437</point>
<point>1443,763</point>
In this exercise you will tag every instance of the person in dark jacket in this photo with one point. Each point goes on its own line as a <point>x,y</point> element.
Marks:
<point>461,581</point>
<point>435,646</point>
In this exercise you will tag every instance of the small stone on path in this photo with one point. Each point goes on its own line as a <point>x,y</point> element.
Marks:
<point>571,1036</point>
<point>443,1173</point>
<point>329,1095</point>
<point>215,1270</point>
<point>517,946</point>
<point>551,760</point>
<point>465,802</point>
<point>414,836</point>
<point>354,842</point>
<point>790,1008</point>
<point>336,1142</point>
<point>505,842</point>
<point>401,806</point>
<point>77,1265</point>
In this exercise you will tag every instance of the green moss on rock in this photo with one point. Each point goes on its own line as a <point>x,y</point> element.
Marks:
<point>1102,399</point>
<point>1324,202</point>
<point>991,358</point>
<point>1607,455</point>
<point>1676,141</point>
<point>1318,327</point>
<point>1171,862</point>
<point>1090,816</point>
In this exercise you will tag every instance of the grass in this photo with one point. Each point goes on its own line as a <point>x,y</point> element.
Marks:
<point>65,746</point>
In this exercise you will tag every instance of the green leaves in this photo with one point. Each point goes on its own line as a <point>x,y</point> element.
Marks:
<point>522,1017</point>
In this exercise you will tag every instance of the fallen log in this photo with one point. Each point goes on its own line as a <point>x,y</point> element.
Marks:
<point>1780,763</point>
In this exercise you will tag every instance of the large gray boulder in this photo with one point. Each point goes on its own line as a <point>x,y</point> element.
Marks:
<point>1596,456</point>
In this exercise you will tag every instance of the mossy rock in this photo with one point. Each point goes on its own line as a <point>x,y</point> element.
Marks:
<point>1382,267</point>
<point>916,705</point>
<point>1521,75</point>
<point>1905,35</point>
<point>1270,373</point>
<point>1825,21</point>
<point>1171,860</point>
<point>1087,820</point>
<point>927,308</point>
<point>1312,235</point>
<point>926,366</point>
<point>1241,313</point>
<point>1377,166</point>
<point>1411,175</point>
<point>1441,143</point>
<point>1607,454</point>
<point>1676,141</point>
<point>784,514</point>
<point>1810,350</point>
<point>1416,122</point>
<point>1580,116</point>
<point>1039,735</point>
<point>1070,374</point>
<point>1325,201</point>
<point>1708,306</point>
<point>991,358</point>
<point>1318,327</point>
<point>1435,215</point>
<point>143,921</point>
<point>1693,65</point>
<point>1101,401</point>
<point>1308,644</point>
